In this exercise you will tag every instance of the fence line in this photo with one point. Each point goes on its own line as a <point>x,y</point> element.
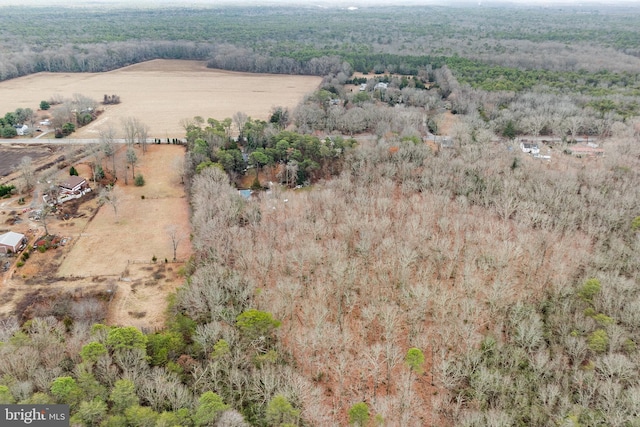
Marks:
<point>158,261</point>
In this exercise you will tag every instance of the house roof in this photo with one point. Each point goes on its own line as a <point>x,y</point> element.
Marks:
<point>72,182</point>
<point>11,238</point>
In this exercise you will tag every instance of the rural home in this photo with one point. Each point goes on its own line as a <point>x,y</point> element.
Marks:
<point>12,242</point>
<point>73,185</point>
<point>73,188</point>
<point>22,130</point>
<point>381,86</point>
<point>529,147</point>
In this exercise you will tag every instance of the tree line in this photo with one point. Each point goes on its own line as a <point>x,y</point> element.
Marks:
<point>478,49</point>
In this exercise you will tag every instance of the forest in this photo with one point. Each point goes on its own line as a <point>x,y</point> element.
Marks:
<point>374,279</point>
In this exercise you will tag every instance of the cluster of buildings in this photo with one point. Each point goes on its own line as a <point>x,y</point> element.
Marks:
<point>578,150</point>
<point>73,187</point>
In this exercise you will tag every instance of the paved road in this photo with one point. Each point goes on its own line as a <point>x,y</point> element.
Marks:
<point>62,141</point>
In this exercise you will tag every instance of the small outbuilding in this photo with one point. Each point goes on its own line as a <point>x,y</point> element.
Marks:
<point>12,242</point>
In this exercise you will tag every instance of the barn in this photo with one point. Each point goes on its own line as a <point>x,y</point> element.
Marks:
<point>12,242</point>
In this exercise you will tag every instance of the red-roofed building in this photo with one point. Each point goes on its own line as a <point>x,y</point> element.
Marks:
<point>581,150</point>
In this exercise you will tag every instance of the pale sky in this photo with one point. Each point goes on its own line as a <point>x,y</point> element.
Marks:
<point>320,3</point>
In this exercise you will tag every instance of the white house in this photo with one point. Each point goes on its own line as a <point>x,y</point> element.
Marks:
<point>22,129</point>
<point>12,242</point>
<point>529,147</point>
<point>381,85</point>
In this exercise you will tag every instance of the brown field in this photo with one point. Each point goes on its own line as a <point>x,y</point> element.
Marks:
<point>161,93</point>
<point>108,252</point>
<point>10,156</point>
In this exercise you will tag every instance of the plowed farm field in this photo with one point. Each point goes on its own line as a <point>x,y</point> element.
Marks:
<point>161,94</point>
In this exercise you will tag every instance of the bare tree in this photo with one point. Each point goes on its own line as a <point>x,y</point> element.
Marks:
<point>176,237</point>
<point>27,173</point>
<point>132,159</point>
<point>179,167</point>
<point>109,145</point>
<point>534,123</point>
<point>96,153</point>
<point>142,136</point>
<point>574,124</point>
<point>135,132</point>
<point>83,103</point>
<point>45,211</point>
<point>130,128</point>
<point>110,195</point>
<point>61,115</point>
<point>240,119</point>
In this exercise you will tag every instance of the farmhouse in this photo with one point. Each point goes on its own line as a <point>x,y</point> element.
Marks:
<point>381,86</point>
<point>73,188</point>
<point>73,185</point>
<point>12,242</point>
<point>22,129</point>
<point>529,147</point>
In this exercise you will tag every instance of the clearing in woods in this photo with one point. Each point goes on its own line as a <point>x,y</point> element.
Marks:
<point>105,252</point>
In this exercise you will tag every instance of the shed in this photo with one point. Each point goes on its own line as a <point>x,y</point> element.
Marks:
<point>12,242</point>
